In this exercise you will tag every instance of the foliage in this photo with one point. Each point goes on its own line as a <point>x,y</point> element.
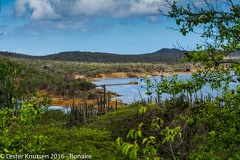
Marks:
<point>54,82</point>
<point>149,145</point>
<point>217,118</point>
<point>30,128</point>
<point>27,135</point>
<point>17,128</point>
<point>221,138</point>
<point>79,141</point>
<point>8,81</point>
<point>159,126</point>
<point>118,122</point>
<point>17,115</point>
<point>221,34</point>
<point>220,23</point>
<point>171,85</point>
<point>173,129</point>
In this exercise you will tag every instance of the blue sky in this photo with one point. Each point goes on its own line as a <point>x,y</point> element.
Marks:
<point>42,27</point>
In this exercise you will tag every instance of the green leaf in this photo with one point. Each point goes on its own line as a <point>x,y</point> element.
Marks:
<point>139,133</point>
<point>5,150</point>
<point>152,138</point>
<point>133,153</point>
<point>140,125</point>
<point>142,110</point>
<point>126,148</point>
<point>131,133</point>
<point>160,120</point>
<point>119,141</point>
<point>144,140</point>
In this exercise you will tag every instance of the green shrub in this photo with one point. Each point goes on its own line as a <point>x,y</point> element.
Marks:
<point>118,122</point>
<point>79,141</point>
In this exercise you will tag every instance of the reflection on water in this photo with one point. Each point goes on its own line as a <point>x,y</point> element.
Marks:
<point>129,93</point>
<point>133,93</point>
<point>64,109</point>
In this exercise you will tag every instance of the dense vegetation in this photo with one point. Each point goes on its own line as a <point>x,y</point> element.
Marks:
<point>178,128</point>
<point>173,129</point>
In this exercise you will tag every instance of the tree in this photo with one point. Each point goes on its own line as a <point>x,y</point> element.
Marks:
<point>17,120</point>
<point>220,24</point>
<point>220,21</point>
<point>8,83</point>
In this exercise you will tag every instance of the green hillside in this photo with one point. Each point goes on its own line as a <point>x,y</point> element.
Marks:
<point>164,55</point>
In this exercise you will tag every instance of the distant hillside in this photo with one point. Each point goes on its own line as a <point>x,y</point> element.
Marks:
<point>164,55</point>
<point>15,55</point>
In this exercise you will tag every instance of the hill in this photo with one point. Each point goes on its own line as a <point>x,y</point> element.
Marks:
<point>164,55</point>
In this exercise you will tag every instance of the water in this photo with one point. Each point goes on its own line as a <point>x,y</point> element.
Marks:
<point>133,93</point>
<point>64,109</point>
<point>129,93</point>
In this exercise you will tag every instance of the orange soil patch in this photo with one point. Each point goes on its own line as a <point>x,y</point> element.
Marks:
<point>130,75</point>
<point>69,102</point>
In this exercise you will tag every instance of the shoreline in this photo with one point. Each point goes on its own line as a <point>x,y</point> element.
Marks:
<point>133,75</point>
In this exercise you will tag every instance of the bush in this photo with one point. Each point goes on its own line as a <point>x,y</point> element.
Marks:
<point>79,141</point>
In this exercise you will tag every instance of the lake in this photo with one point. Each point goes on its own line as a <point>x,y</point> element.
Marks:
<point>132,93</point>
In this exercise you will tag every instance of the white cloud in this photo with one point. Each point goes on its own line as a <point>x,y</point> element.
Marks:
<point>79,15</point>
<point>54,9</point>
<point>40,9</point>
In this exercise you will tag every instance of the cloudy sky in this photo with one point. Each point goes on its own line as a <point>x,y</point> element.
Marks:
<point>41,27</point>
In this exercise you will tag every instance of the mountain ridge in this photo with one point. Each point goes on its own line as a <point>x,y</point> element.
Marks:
<point>166,55</point>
